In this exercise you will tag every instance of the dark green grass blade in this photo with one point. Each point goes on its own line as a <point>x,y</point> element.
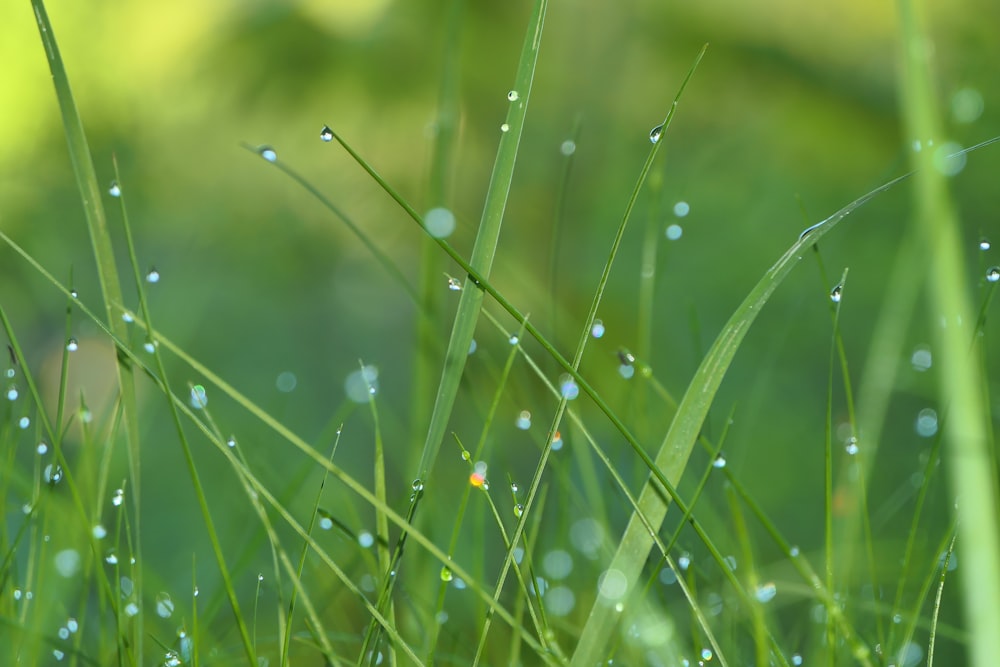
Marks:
<point>969,449</point>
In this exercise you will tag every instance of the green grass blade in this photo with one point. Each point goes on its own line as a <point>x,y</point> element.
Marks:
<point>485,246</point>
<point>969,450</point>
<point>90,195</point>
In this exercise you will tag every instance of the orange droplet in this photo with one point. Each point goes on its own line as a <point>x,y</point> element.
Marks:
<point>476,479</point>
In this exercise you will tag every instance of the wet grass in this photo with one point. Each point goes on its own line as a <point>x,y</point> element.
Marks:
<point>605,554</point>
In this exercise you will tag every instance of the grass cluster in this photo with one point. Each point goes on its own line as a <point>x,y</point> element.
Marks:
<point>603,555</point>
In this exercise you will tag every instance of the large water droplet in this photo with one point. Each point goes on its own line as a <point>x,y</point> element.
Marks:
<point>836,293</point>
<point>164,605</point>
<point>505,128</point>
<point>326,134</point>
<point>851,446</point>
<point>993,274</point>
<point>446,574</point>
<point>655,134</point>
<point>199,399</point>
<point>439,222</point>
<point>984,244</point>
<point>72,345</point>
<point>513,96</point>
<point>268,153</point>
<point>52,474</point>
<point>454,284</point>
<point>597,329</point>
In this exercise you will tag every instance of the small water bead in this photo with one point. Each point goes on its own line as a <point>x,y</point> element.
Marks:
<point>417,485</point>
<point>466,456</point>
<point>706,654</point>
<point>68,562</point>
<point>513,96</point>
<point>366,539</point>
<point>268,153</point>
<point>326,134</point>
<point>42,448</point>
<point>796,659</point>
<point>851,446</point>
<point>568,388</point>
<point>99,532</point>
<point>149,346</point>
<point>24,422</point>
<point>681,209</point>
<point>921,359</point>
<point>231,442</point>
<point>984,244</point>
<point>114,190</point>
<point>325,521</point>
<point>674,232</point>
<point>719,462</point>
<point>505,127</point>
<point>927,423</point>
<point>518,510</point>
<point>52,474</point>
<point>766,592</point>
<point>152,276</point>
<point>286,382</point>
<point>684,561</point>
<point>72,345</point>
<point>993,274</point>
<point>523,420</point>
<point>127,318</point>
<point>514,340</point>
<point>655,134</point>
<point>626,371</point>
<point>118,497</point>
<point>360,385</point>
<point>560,601</point>
<point>557,442</point>
<point>57,654</point>
<point>567,147</point>
<point>131,609</point>
<point>12,394</point>
<point>63,632</point>
<point>164,605</point>
<point>597,329</point>
<point>513,487</point>
<point>446,574</point>
<point>72,625</point>
<point>73,293</point>
<point>836,293</point>
<point>199,399</point>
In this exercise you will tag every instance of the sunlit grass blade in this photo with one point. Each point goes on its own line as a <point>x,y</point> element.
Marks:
<point>969,451</point>
<point>100,237</point>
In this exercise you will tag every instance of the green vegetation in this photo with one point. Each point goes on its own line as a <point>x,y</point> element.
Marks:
<point>651,409</point>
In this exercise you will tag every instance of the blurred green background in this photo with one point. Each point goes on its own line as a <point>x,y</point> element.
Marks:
<point>792,114</point>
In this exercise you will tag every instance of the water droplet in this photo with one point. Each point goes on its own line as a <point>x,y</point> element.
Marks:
<point>674,232</point>
<point>949,158</point>
<point>557,442</point>
<point>286,382</point>
<point>164,605</point>
<point>454,285</point>
<point>114,190</point>
<point>681,209</point>
<point>446,574</point>
<point>655,133</point>
<point>706,654</point>
<point>153,276</point>
<point>366,539</point>
<point>523,421</point>
<point>513,487</point>
<point>505,127</point>
<point>417,485</point>
<point>325,523</point>
<point>326,134</point>
<point>361,384</point>
<point>73,293</point>
<point>921,359</point>
<point>231,442</point>
<point>86,416</point>
<point>851,446</point>
<point>966,105</point>
<point>57,654</point>
<point>719,462</point>
<point>568,387</point>
<point>67,562</point>
<point>466,456</point>
<point>149,346</point>
<point>42,448</point>
<point>626,357</point>
<point>72,625</point>
<point>567,147</point>
<point>127,317</point>
<point>52,474</point>
<point>131,609</point>
<point>514,340</point>
<point>518,510</point>
<point>439,222</point>
<point>836,293</point>
<point>72,345</point>
<point>198,397</point>
<point>260,577</point>
<point>24,422</point>
<point>12,394</point>
<point>796,659</point>
<point>626,371</point>
<point>597,329</point>
<point>473,345</point>
<point>927,422</point>
<point>793,552</point>
<point>993,274</point>
<point>118,497</point>
<point>984,244</point>
<point>99,532</point>
<point>513,96</point>
<point>766,592</point>
<point>684,561</point>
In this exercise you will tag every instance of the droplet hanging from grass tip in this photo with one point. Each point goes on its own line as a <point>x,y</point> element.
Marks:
<point>836,293</point>
<point>719,461</point>
<point>597,329</point>
<point>72,345</point>
<point>326,134</point>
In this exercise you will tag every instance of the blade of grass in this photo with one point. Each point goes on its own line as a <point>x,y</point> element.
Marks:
<point>100,238</point>
<point>969,452</point>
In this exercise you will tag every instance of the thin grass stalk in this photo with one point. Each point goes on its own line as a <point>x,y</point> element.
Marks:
<point>969,451</point>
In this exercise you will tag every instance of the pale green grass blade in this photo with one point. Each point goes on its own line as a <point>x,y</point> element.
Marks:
<point>484,249</point>
<point>969,451</point>
<point>671,458</point>
<point>90,195</point>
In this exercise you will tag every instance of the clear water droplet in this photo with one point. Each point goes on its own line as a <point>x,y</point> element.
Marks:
<point>719,462</point>
<point>557,442</point>
<point>286,382</point>
<point>684,561</point>
<point>454,284</point>
<point>597,329</point>
<point>114,190</point>
<point>12,394</point>
<point>325,523</point>
<point>42,449</point>
<point>127,317</point>
<point>514,340</point>
<point>921,359</point>
<point>24,422</point>
<point>505,128</point>
<point>99,532</point>
<point>446,574</point>
<point>466,456</point>
<point>927,423</point>
<point>626,357</point>
<point>268,153</point>
<point>73,293</point>
<point>513,96</point>
<point>231,442</point>
<point>627,371</point>
<point>199,399</point>
<point>836,293</point>
<point>439,222</point>
<point>118,497</point>
<point>164,605</point>
<point>984,244</point>
<point>72,345</point>
<point>674,232</point>
<point>568,387</point>
<point>655,134</point>
<point>149,346</point>
<point>851,446</point>
<point>518,510</point>
<point>993,274</point>
<point>523,421</point>
<point>567,147</point>
<point>473,345</point>
<point>366,539</point>
<point>359,384</point>
<point>681,209</point>
<point>326,134</point>
<point>153,276</point>
<point>417,485</point>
